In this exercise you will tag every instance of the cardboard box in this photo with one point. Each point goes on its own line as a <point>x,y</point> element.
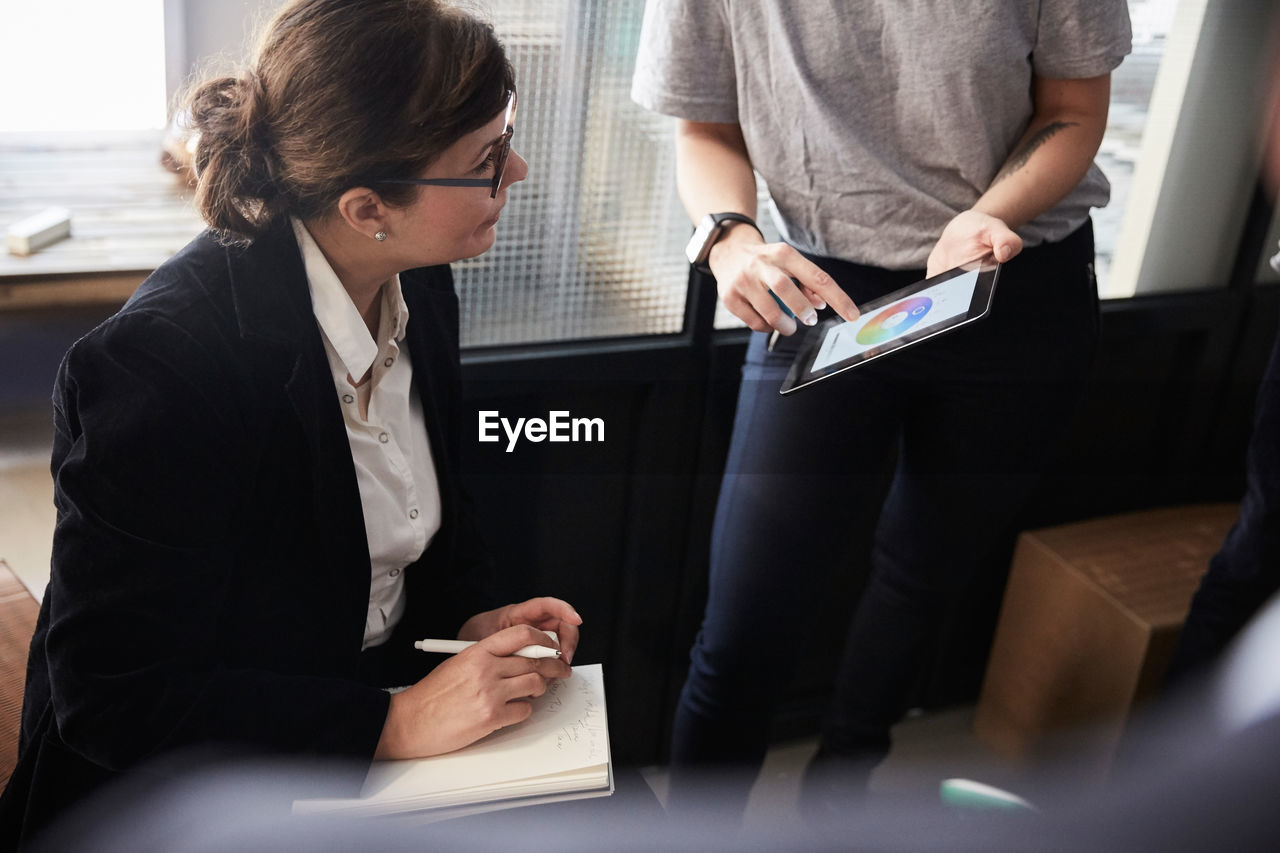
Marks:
<point>1090,619</point>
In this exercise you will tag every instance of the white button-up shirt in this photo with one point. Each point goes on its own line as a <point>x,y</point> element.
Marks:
<point>394,469</point>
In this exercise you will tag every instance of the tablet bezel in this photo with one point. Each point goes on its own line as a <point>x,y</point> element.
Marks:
<point>800,376</point>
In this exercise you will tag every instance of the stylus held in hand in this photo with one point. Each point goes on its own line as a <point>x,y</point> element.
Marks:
<point>810,317</point>
<point>775,334</point>
<point>453,647</point>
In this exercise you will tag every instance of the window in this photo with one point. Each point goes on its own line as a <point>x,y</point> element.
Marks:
<point>1183,169</point>
<point>591,245</point>
<point>83,65</point>
<point>1131,86</point>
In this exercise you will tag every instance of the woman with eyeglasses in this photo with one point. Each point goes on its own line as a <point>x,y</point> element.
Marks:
<point>256,459</point>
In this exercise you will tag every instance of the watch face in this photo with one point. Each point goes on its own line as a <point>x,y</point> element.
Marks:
<point>697,247</point>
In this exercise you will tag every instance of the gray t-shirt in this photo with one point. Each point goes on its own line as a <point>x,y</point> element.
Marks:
<point>873,123</point>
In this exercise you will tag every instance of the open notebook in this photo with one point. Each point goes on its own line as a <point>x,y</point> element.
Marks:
<point>561,752</point>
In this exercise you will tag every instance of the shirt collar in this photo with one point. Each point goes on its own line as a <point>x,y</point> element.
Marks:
<point>337,314</point>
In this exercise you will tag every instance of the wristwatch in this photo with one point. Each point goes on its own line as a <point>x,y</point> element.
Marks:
<point>706,235</point>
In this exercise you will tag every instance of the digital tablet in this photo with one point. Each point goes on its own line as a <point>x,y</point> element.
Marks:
<point>896,320</point>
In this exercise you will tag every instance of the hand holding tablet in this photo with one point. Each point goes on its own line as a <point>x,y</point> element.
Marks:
<point>896,320</point>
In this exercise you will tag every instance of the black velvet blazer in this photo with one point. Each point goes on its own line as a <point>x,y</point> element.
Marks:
<point>210,574</point>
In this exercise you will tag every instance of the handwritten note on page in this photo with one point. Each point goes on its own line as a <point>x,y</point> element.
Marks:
<point>562,748</point>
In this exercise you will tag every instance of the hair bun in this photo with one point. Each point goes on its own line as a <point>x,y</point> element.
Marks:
<point>233,161</point>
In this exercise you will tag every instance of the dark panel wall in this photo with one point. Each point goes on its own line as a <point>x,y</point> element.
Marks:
<point>31,347</point>
<point>620,528</point>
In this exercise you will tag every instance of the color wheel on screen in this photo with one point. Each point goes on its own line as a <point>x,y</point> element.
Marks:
<point>894,320</point>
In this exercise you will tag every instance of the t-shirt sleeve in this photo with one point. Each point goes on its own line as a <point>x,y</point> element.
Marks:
<point>684,65</point>
<point>1081,38</point>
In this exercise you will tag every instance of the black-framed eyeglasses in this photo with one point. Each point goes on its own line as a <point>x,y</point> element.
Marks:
<point>501,148</point>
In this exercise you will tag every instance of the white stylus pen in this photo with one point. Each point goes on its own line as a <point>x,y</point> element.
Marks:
<point>452,647</point>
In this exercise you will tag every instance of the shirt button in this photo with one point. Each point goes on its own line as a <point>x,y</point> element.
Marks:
<point>389,361</point>
<point>347,398</point>
<point>395,573</point>
<point>413,513</point>
<point>383,437</point>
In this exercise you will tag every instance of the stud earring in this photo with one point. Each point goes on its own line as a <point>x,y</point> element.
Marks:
<point>380,236</point>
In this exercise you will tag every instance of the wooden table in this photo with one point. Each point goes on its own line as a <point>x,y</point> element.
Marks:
<point>128,214</point>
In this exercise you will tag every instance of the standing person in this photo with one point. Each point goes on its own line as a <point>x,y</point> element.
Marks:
<point>896,139</point>
<point>1245,573</point>
<point>256,459</point>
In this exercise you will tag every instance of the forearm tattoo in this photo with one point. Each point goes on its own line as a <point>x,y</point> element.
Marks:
<point>1023,154</point>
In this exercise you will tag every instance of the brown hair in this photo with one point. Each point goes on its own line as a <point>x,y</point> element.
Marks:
<point>341,93</point>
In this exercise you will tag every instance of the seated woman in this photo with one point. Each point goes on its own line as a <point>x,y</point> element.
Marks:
<point>256,460</point>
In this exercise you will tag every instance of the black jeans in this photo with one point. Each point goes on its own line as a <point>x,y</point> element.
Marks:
<point>975,414</point>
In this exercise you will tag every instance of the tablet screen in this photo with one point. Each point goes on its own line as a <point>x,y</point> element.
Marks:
<point>907,316</point>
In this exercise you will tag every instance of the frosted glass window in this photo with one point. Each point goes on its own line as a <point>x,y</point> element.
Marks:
<point>591,245</point>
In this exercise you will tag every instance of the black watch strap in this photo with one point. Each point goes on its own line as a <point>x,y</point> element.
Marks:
<point>709,230</point>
